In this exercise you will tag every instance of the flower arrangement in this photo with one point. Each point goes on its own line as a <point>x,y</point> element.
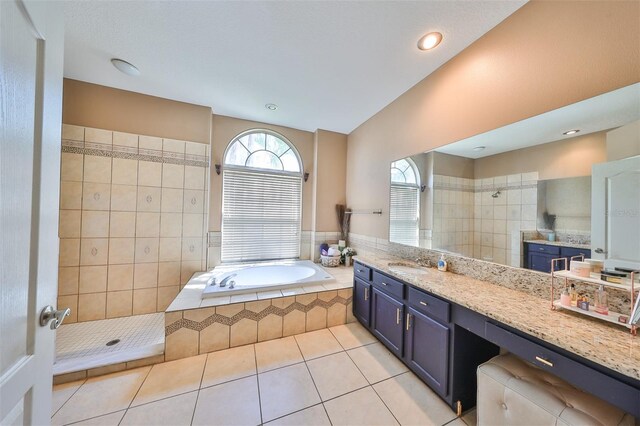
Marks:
<point>346,255</point>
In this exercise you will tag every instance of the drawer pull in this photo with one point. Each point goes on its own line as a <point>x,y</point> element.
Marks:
<point>366,294</point>
<point>397,315</point>
<point>359,270</point>
<point>544,361</point>
<point>541,249</point>
<point>408,321</point>
<point>423,303</point>
<point>383,283</point>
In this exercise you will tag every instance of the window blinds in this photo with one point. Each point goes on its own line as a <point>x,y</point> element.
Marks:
<point>403,225</point>
<point>261,215</point>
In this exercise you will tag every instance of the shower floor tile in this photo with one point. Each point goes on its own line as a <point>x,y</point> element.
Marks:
<point>81,346</point>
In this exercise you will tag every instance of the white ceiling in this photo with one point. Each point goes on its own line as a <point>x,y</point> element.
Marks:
<point>606,111</point>
<point>326,64</point>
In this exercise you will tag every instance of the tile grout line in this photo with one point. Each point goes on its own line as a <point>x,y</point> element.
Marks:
<point>68,399</point>
<point>255,362</point>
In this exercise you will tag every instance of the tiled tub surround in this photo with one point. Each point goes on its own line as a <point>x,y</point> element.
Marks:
<point>133,210</point>
<point>195,326</point>
<point>608,345</point>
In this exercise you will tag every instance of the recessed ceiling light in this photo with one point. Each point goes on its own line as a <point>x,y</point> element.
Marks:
<point>479,148</point>
<point>571,132</point>
<point>125,67</point>
<point>271,107</point>
<point>429,41</point>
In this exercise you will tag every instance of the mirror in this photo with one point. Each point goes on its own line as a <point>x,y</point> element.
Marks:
<point>496,195</point>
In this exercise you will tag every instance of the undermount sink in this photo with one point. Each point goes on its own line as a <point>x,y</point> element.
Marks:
<point>408,269</point>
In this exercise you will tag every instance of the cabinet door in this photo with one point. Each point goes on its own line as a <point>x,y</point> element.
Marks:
<point>427,350</point>
<point>541,262</point>
<point>362,301</point>
<point>387,320</point>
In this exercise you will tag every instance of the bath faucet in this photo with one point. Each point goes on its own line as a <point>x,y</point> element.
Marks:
<point>223,283</point>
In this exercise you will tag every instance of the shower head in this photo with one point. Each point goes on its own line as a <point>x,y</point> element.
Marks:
<point>496,194</point>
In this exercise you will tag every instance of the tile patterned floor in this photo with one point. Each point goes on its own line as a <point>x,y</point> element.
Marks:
<point>336,376</point>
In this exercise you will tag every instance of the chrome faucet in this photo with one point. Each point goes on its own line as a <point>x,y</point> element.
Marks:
<point>224,281</point>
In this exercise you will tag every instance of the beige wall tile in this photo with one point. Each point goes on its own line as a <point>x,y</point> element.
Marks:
<point>97,169</point>
<point>69,377</point>
<point>191,249</point>
<point>214,338</point>
<point>168,273</point>
<point>229,310</point>
<point>172,145</point>
<point>293,323</point>
<point>120,277</point>
<point>71,302</point>
<point>147,224</point>
<point>94,251</point>
<point>257,306</point>
<point>350,317</point>
<point>145,361</point>
<point>125,171</point>
<point>316,318</point>
<point>145,275</point>
<point>122,224</point>
<point>194,177</point>
<point>92,306</point>
<point>171,225</point>
<point>148,199</point>
<point>345,293</point>
<point>69,224</point>
<point>305,299</point>
<point>194,201</point>
<point>195,148</point>
<point>283,302</point>
<point>327,296</point>
<point>336,315</point>
<point>270,327</point>
<point>244,332</point>
<point>68,280</point>
<point>187,270</point>
<point>166,296</point>
<point>181,344</point>
<point>172,200</point>
<point>71,195</point>
<point>93,279</point>
<point>172,175</point>
<point>171,317</point>
<point>69,252</point>
<point>107,369</point>
<point>149,173</point>
<point>124,198</point>
<point>125,139</point>
<point>71,167</point>
<point>121,250</point>
<point>96,196</point>
<point>147,250</point>
<point>150,142</point>
<point>198,315</point>
<point>98,136</point>
<point>75,133</point>
<point>119,303</point>
<point>193,225</point>
<point>170,250</point>
<point>144,301</point>
<point>95,224</point>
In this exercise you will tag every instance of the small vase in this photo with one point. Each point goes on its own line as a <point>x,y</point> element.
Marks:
<point>347,261</point>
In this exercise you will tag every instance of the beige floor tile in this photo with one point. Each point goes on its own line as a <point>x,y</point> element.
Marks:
<point>412,402</point>
<point>62,393</point>
<point>102,395</point>
<point>471,417</point>
<point>313,416</point>
<point>336,375</point>
<point>352,335</point>
<point>277,353</point>
<point>317,343</point>
<point>171,378</point>
<point>286,390</point>
<point>112,419</point>
<point>361,407</point>
<point>232,403</point>
<point>229,364</point>
<point>376,362</point>
<point>456,422</point>
<point>174,411</point>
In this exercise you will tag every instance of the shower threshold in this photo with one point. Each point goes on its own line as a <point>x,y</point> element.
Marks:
<point>92,344</point>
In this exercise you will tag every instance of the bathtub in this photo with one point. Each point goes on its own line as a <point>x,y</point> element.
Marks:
<point>263,276</point>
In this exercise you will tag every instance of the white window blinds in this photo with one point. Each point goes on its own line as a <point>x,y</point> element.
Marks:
<point>404,220</point>
<point>261,214</point>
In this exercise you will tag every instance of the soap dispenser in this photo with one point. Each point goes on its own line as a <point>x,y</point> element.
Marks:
<point>442,263</point>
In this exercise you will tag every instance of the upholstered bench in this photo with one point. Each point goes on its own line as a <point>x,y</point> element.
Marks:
<point>514,392</point>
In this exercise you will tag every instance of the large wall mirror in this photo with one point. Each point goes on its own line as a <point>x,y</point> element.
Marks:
<point>563,183</point>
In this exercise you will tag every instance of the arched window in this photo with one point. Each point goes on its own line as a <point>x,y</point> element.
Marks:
<point>261,198</point>
<point>404,211</point>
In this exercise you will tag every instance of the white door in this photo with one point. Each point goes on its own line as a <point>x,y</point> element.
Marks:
<point>615,213</point>
<point>31,46</point>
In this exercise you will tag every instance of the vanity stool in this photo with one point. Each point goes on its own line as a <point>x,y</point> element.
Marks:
<point>514,392</point>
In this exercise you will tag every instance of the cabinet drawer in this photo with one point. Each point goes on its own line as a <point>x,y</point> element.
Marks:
<point>428,304</point>
<point>572,251</point>
<point>361,271</point>
<point>388,284</point>
<point>580,375</point>
<point>542,248</point>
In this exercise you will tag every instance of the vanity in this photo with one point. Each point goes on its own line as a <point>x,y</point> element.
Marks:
<point>443,325</point>
<point>538,254</point>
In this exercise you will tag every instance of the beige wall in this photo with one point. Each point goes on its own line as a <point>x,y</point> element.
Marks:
<point>624,141</point>
<point>553,160</point>
<point>493,83</point>
<point>329,170</point>
<point>453,165</point>
<point>91,105</point>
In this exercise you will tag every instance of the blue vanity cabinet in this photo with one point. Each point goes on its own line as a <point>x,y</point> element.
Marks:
<point>539,256</point>
<point>362,301</point>
<point>387,319</point>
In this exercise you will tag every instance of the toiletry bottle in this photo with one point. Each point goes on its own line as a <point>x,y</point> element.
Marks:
<point>565,298</point>
<point>574,295</point>
<point>442,264</point>
<point>601,301</point>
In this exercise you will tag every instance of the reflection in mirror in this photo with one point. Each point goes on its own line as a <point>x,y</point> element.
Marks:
<point>501,195</point>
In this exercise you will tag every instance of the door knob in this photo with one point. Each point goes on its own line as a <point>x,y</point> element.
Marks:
<point>600,251</point>
<point>54,316</point>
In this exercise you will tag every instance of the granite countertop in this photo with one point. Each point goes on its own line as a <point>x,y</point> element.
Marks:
<point>560,244</point>
<point>606,344</point>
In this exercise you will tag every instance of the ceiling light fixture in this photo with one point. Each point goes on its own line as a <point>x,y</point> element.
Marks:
<point>125,67</point>
<point>271,107</point>
<point>479,148</point>
<point>571,132</point>
<point>429,41</point>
